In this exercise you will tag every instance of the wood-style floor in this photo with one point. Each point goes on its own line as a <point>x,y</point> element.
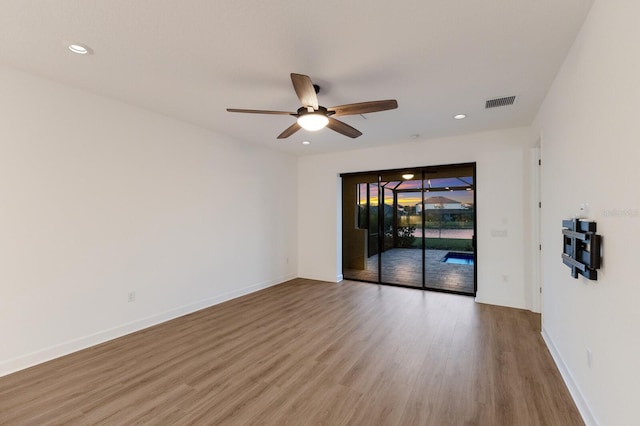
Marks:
<point>307,352</point>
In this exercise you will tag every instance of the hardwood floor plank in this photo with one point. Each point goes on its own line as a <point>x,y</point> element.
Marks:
<point>308,352</point>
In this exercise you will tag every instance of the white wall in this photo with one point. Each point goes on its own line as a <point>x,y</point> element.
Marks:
<point>503,198</point>
<point>590,149</point>
<point>99,199</point>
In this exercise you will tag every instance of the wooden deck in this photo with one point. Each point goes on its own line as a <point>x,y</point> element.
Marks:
<point>404,266</point>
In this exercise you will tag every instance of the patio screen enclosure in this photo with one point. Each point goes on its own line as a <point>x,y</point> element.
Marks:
<point>411,227</point>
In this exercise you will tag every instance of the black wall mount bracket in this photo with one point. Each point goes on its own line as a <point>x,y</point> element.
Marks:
<point>581,248</point>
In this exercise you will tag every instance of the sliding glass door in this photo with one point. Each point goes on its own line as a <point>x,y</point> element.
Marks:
<point>449,215</point>
<point>401,259</point>
<point>411,227</point>
<point>361,235</point>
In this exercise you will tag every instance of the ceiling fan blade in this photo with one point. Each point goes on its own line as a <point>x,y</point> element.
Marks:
<point>260,111</point>
<point>364,107</point>
<point>344,128</point>
<point>303,86</point>
<point>289,131</point>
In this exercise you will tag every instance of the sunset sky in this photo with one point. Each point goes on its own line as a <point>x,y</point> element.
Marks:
<point>412,198</point>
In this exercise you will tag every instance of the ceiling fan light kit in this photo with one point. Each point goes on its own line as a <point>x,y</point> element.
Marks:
<point>313,120</point>
<point>312,116</point>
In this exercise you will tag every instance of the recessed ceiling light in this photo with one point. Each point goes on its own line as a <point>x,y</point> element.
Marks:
<point>306,143</point>
<point>460,116</point>
<point>80,49</point>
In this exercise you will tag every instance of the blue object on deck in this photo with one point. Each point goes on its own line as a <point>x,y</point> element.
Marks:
<point>458,258</point>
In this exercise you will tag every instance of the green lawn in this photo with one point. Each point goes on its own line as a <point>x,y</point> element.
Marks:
<point>417,222</point>
<point>444,244</point>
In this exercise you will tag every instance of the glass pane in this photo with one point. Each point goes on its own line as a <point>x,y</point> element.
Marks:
<point>402,255</point>
<point>450,252</point>
<point>388,219</point>
<point>449,183</point>
<point>360,228</point>
<point>410,184</point>
<point>361,209</point>
<point>374,232</point>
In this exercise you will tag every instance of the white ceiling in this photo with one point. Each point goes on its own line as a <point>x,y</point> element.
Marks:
<point>192,59</point>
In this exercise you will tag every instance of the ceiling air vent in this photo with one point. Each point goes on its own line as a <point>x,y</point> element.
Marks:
<point>500,102</point>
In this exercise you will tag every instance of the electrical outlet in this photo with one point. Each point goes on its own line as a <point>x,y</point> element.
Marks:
<point>132,296</point>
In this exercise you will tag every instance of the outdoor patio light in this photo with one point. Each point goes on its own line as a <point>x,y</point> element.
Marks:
<point>313,121</point>
<point>407,176</point>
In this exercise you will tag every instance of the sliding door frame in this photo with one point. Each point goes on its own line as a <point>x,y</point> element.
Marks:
<point>423,171</point>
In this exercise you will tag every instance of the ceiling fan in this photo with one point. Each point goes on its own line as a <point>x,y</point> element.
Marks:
<point>312,116</point>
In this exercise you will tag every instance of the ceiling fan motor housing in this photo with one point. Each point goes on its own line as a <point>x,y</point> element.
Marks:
<point>309,110</point>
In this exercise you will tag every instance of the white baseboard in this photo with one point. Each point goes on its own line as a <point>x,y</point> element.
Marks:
<point>66,348</point>
<point>585,411</point>
<point>339,278</point>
